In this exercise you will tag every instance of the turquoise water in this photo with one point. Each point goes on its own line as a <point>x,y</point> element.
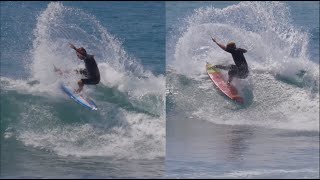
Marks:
<point>44,134</point>
<point>275,134</point>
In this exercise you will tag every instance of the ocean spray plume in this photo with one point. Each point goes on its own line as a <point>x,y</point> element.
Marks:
<point>278,60</point>
<point>58,25</point>
<point>263,28</point>
<point>62,125</point>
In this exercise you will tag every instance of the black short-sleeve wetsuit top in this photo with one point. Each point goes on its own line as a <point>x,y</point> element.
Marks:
<point>92,71</point>
<point>239,59</point>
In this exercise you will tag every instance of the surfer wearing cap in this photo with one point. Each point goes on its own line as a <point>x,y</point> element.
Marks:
<point>240,69</point>
<point>91,71</point>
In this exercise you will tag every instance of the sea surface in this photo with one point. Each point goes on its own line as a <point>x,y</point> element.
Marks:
<point>44,134</point>
<point>275,134</point>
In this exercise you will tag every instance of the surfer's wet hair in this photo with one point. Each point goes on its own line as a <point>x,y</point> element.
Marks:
<point>231,45</point>
<point>82,51</point>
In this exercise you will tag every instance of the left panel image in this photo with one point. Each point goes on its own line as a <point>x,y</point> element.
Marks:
<point>82,90</point>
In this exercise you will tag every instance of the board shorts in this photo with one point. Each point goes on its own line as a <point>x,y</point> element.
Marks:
<point>90,80</point>
<point>234,71</point>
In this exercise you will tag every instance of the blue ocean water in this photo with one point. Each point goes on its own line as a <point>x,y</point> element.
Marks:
<point>275,134</point>
<point>44,134</point>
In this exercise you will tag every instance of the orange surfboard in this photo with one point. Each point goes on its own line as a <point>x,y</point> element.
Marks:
<point>227,89</point>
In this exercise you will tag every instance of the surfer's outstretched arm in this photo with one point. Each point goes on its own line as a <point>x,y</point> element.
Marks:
<point>220,45</point>
<point>59,71</point>
<point>72,46</point>
<point>55,69</point>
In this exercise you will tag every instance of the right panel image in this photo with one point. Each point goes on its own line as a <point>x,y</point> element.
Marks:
<point>242,98</point>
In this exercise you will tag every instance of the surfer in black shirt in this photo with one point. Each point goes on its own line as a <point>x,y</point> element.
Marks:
<point>240,70</point>
<point>91,71</point>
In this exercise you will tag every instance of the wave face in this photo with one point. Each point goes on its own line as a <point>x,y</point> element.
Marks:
<point>282,90</point>
<point>130,120</point>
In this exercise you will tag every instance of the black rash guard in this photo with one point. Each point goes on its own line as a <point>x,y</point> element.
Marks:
<point>239,60</point>
<point>91,71</point>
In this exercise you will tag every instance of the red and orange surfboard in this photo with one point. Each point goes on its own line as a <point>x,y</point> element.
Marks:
<point>227,89</point>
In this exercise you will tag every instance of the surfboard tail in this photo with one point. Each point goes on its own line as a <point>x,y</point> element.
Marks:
<point>239,100</point>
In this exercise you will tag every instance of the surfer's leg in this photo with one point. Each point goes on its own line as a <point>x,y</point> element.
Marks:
<point>232,73</point>
<point>91,81</point>
<point>243,74</point>
<point>59,71</point>
<point>81,84</point>
<point>222,67</point>
<point>229,79</point>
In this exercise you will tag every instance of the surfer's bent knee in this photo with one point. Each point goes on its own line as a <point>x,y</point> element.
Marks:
<point>243,75</point>
<point>91,81</point>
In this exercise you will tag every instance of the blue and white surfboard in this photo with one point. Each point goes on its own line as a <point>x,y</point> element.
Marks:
<point>86,102</point>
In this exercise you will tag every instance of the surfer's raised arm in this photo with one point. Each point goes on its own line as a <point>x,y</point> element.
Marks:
<point>72,46</point>
<point>220,45</point>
